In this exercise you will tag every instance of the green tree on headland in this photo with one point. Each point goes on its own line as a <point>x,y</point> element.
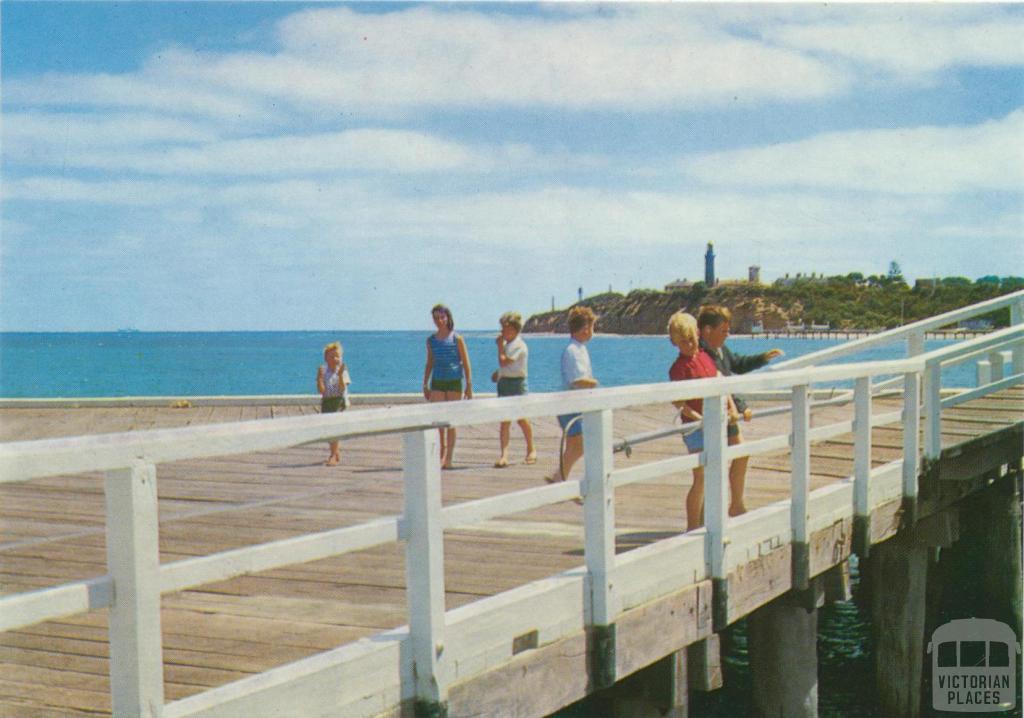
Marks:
<point>850,301</point>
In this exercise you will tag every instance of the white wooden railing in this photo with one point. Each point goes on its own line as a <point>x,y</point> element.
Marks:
<point>439,648</point>
<point>913,334</point>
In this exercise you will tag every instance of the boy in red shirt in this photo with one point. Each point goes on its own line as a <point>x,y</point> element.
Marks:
<point>694,363</point>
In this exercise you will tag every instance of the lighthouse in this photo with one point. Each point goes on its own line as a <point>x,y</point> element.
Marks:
<point>709,266</point>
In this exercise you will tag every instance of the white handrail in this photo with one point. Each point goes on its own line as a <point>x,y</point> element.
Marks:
<point>20,461</point>
<point>935,361</point>
<point>907,331</point>
<point>968,349</point>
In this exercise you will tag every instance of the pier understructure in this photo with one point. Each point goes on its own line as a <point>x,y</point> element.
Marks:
<point>191,561</point>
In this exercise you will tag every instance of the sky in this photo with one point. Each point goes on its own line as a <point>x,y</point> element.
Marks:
<point>265,165</point>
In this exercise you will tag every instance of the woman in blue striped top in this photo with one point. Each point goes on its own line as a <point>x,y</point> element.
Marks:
<point>447,363</point>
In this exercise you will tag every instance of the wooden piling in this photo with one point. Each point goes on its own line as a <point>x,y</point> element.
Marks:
<point>783,639</point>
<point>837,584</point>
<point>897,575</point>
<point>657,691</point>
<point>978,576</point>
<point>704,661</point>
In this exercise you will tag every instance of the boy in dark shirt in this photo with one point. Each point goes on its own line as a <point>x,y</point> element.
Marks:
<point>713,325</point>
<point>694,363</point>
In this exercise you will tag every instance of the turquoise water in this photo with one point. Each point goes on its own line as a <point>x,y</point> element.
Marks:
<point>244,363</point>
<point>846,681</point>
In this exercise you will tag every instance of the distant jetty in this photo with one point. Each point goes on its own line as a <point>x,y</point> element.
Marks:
<point>818,307</point>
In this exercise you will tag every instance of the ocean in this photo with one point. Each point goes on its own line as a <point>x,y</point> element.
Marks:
<point>113,364</point>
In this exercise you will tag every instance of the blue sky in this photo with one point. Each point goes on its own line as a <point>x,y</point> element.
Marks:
<point>289,166</point>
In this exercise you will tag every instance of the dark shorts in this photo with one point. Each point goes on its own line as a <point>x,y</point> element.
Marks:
<point>331,404</point>
<point>446,385</point>
<point>695,441</point>
<point>512,386</point>
<point>577,427</point>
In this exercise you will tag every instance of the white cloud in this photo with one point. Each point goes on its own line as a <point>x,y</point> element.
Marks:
<point>625,58</point>
<point>423,56</point>
<point>107,192</point>
<point>340,60</point>
<point>134,144</point>
<point>921,160</point>
<point>910,40</point>
<point>143,91</point>
<point>364,150</point>
<point>41,138</point>
<point>525,217</point>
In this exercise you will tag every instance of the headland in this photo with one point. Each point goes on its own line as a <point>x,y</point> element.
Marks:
<point>802,306</point>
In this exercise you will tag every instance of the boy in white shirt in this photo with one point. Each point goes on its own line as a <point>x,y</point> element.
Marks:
<point>576,374</point>
<point>511,378</point>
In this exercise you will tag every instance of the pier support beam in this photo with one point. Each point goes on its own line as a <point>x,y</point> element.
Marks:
<point>783,638</point>
<point>658,691</point>
<point>896,574</point>
<point>979,575</point>
<point>704,660</point>
<point>837,584</point>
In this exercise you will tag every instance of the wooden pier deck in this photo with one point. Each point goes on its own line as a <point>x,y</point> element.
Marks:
<point>52,530</point>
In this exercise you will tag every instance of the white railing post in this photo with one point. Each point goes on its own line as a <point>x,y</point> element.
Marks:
<point>984,373</point>
<point>995,361</point>
<point>933,410</point>
<point>716,504</point>
<point>911,427</point>
<point>862,466</point>
<point>133,561</point>
<point>801,487</point>
<point>424,569</point>
<point>599,545</point>
<point>1017,357</point>
<point>915,343</point>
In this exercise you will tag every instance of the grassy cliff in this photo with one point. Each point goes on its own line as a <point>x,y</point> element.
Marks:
<point>847,302</point>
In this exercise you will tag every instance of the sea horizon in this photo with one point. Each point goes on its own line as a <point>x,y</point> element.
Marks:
<point>76,365</point>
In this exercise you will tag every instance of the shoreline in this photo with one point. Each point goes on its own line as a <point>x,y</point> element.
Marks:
<point>185,401</point>
<point>809,334</point>
<point>358,400</point>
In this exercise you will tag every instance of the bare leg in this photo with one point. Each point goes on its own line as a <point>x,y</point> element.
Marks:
<point>573,452</point>
<point>503,438</point>
<point>695,501</point>
<point>737,480</point>
<point>335,456</point>
<point>449,450</point>
<point>439,396</point>
<point>531,452</point>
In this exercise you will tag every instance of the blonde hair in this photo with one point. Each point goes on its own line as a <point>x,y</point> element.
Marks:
<point>680,326</point>
<point>331,347</point>
<point>512,319</point>
<point>580,317</point>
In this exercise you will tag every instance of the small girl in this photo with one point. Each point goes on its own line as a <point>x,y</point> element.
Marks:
<point>332,382</point>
